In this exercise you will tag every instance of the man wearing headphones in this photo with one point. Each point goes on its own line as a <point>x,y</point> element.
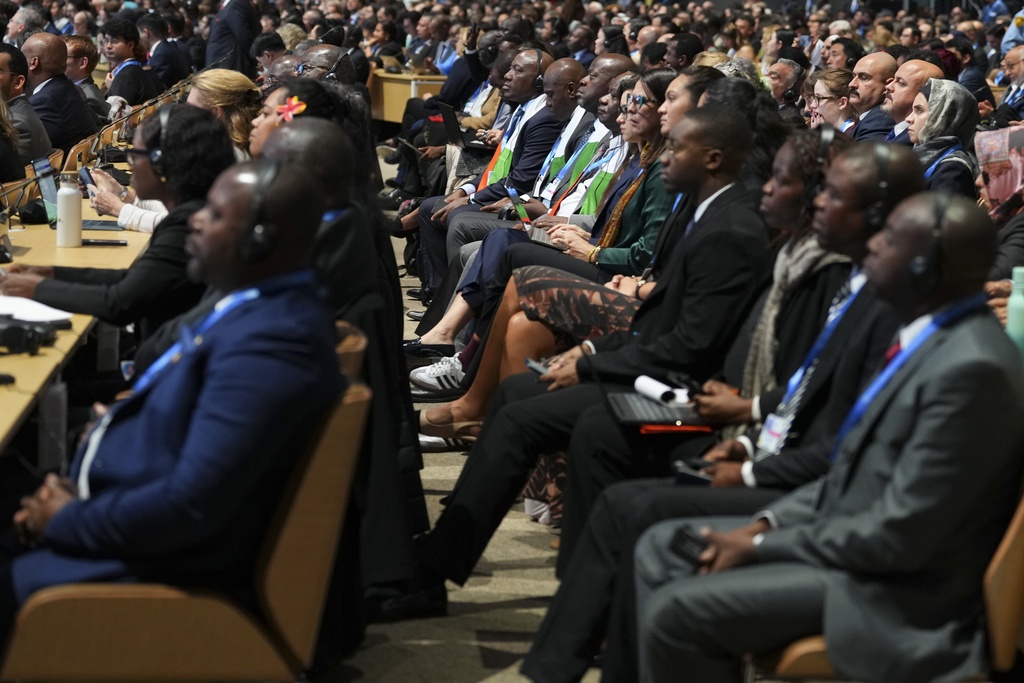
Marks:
<point>784,79</point>
<point>223,410</point>
<point>867,92</point>
<point>899,532</point>
<point>523,146</point>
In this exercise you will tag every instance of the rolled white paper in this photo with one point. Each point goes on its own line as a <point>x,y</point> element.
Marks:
<point>660,392</point>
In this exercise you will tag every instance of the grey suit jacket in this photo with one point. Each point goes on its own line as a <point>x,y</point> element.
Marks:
<point>913,508</point>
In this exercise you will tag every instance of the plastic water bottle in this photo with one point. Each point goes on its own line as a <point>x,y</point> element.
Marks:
<point>1015,310</point>
<point>69,212</point>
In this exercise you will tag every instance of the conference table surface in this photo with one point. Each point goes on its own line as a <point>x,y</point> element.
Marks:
<point>36,245</point>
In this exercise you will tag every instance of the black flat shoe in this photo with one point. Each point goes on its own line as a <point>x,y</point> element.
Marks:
<point>415,315</point>
<point>416,347</point>
<point>425,603</point>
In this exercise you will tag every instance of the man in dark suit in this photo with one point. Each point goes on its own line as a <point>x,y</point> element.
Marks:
<point>145,497</point>
<point>709,279</point>
<point>231,34</point>
<point>900,94</point>
<point>82,60</point>
<point>126,79</point>
<point>885,554</point>
<point>599,560</point>
<point>867,92</point>
<point>170,64</point>
<point>59,104</point>
<point>581,45</point>
<point>522,149</point>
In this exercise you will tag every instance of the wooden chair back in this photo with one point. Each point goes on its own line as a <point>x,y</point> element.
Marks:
<point>351,348</point>
<point>1004,595</point>
<point>80,155</point>
<point>298,560</point>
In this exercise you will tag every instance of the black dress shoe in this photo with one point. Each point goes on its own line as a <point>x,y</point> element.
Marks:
<point>415,315</point>
<point>419,294</point>
<point>420,604</point>
<point>416,347</point>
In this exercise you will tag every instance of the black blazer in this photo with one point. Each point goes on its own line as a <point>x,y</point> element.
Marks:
<point>847,362</point>
<point>169,63</point>
<point>153,290</point>
<point>231,34</point>
<point>61,106</point>
<point>532,147</point>
<point>135,85</point>
<point>875,126</point>
<point>707,286</point>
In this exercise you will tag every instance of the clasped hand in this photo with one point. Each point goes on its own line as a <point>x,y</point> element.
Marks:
<point>562,369</point>
<point>38,509</point>
<point>21,280</point>
<point>721,404</point>
<point>728,549</point>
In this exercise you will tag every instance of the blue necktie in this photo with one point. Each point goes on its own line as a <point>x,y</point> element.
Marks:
<point>891,136</point>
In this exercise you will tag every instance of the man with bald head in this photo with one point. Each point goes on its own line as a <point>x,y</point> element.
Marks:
<point>867,91</point>
<point>901,529</point>
<point>59,104</point>
<point>900,94</point>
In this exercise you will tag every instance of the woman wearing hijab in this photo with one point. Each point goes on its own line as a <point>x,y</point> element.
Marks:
<point>942,124</point>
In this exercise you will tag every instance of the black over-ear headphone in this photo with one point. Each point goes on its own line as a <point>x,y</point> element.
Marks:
<point>874,215</point>
<point>538,80</point>
<point>851,61</point>
<point>258,241</point>
<point>926,269</point>
<point>814,185</point>
<point>156,155</point>
<point>791,94</point>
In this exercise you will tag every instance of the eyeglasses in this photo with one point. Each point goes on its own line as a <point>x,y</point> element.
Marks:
<point>133,152</point>
<point>637,101</point>
<point>816,100</point>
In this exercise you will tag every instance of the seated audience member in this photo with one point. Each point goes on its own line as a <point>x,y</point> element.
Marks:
<point>282,69</point>
<point>132,211</point>
<point>711,278</point>
<point>169,64</point>
<point>900,93</point>
<point>156,510</point>
<point>267,47</point>
<point>82,60</point>
<point>581,45</point>
<point>233,99</point>
<point>942,124</point>
<point>127,79</point>
<point>11,167</point>
<point>54,98</point>
<point>871,74</point>
<point>851,555</point>
<point>383,43</point>
<point>829,100</point>
<point>33,140</point>
<point>785,79</point>
<point>175,157</point>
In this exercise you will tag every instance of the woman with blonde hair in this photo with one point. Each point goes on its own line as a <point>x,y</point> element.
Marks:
<point>232,98</point>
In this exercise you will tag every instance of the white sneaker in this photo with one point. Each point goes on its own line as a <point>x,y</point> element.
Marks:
<point>445,375</point>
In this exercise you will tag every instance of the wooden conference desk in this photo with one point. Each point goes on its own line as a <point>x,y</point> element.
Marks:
<point>37,245</point>
<point>389,92</point>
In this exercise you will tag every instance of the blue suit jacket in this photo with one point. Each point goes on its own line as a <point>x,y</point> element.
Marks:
<point>875,126</point>
<point>532,147</point>
<point>170,63</point>
<point>190,470</point>
<point>61,106</point>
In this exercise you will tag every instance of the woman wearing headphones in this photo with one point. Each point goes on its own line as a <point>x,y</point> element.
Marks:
<point>175,157</point>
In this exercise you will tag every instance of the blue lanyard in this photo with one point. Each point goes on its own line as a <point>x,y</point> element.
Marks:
<point>331,216</point>
<point>513,123</point>
<point>191,338</point>
<point>847,124</point>
<point>125,63</point>
<point>602,161</point>
<point>834,318</point>
<point>960,309</point>
<point>931,169</point>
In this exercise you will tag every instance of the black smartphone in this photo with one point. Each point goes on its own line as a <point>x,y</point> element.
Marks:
<point>682,381</point>
<point>691,477</point>
<point>86,178</point>
<point>688,544</point>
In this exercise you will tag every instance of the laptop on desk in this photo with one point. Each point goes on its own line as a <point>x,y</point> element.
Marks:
<point>456,135</point>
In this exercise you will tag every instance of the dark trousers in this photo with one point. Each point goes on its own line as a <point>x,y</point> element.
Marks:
<point>596,596</point>
<point>433,246</point>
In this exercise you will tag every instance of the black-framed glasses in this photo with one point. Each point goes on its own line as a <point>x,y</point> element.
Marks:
<point>816,100</point>
<point>132,152</point>
<point>638,101</point>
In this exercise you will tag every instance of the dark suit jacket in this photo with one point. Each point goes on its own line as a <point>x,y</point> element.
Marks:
<point>61,106</point>
<point>153,290</point>
<point>874,126</point>
<point>903,139</point>
<point>135,85</point>
<point>532,147</point>
<point>169,63</point>
<point>973,78</point>
<point>208,424</point>
<point>231,34</point>
<point>585,58</point>
<point>912,509</point>
<point>851,357</point>
<point>706,289</point>
<point>95,100</point>
<point>1011,249</point>
<point>33,140</point>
